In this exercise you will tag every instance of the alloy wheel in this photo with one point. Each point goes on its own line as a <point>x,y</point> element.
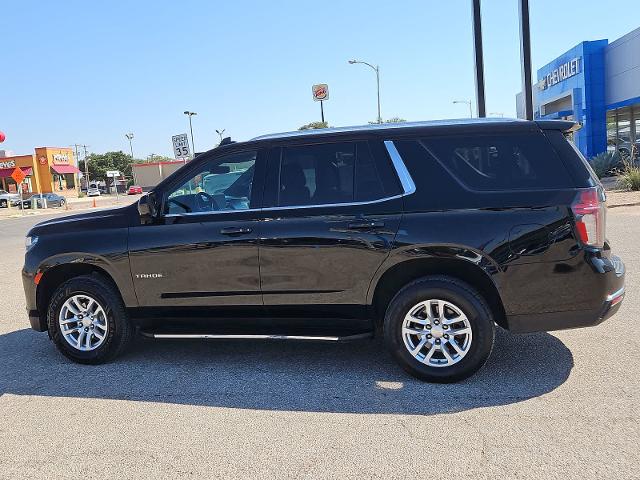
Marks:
<point>437,333</point>
<point>83,322</point>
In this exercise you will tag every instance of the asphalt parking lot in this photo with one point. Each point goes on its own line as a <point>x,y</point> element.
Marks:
<point>561,405</point>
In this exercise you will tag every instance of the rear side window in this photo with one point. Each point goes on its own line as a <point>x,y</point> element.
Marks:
<point>317,174</point>
<point>332,173</point>
<point>500,162</point>
<point>574,160</point>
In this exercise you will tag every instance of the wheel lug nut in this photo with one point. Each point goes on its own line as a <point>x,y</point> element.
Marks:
<point>437,342</point>
<point>428,326</point>
<point>429,336</point>
<point>436,322</point>
<point>446,336</point>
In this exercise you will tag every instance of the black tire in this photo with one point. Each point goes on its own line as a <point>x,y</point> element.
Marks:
<point>119,332</point>
<point>468,300</point>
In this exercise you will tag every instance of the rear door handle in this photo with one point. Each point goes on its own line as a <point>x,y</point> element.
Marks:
<point>235,231</point>
<point>365,225</point>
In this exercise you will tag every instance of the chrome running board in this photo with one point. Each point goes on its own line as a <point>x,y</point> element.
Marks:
<point>233,336</point>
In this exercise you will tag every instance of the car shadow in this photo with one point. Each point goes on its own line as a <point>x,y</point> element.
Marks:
<point>358,377</point>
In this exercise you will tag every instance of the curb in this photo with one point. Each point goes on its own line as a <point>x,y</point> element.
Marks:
<point>634,204</point>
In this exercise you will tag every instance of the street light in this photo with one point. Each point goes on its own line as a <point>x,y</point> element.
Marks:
<point>193,146</point>
<point>130,137</point>
<point>220,132</point>
<point>377,70</point>
<point>468,102</point>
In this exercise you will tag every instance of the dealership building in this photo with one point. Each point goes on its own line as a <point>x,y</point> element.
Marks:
<point>595,83</point>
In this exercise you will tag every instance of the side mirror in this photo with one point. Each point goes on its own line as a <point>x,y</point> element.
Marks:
<point>147,208</point>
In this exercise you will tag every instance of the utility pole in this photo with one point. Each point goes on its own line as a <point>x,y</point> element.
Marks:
<point>220,132</point>
<point>130,137</point>
<point>193,145</point>
<point>376,69</point>
<point>86,165</point>
<point>75,146</point>
<point>525,58</point>
<point>479,59</point>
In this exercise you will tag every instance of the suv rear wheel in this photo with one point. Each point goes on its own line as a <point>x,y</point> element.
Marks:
<point>87,320</point>
<point>439,329</point>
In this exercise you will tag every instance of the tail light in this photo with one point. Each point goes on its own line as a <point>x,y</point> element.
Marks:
<point>590,210</point>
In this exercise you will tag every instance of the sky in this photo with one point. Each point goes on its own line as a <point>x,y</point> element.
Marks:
<point>78,72</point>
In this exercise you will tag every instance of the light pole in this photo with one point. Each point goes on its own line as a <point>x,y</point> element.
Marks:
<point>220,132</point>
<point>193,145</point>
<point>129,137</point>
<point>377,70</point>
<point>468,102</point>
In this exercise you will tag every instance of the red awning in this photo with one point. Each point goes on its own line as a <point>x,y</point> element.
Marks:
<point>64,169</point>
<point>6,172</point>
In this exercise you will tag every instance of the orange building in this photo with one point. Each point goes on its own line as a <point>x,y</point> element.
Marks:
<point>49,169</point>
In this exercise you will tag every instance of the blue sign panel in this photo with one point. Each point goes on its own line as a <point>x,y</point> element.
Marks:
<point>572,87</point>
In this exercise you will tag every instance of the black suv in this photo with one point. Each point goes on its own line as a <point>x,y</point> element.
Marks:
<point>426,233</point>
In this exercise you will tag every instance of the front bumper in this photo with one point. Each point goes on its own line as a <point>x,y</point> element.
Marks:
<point>611,271</point>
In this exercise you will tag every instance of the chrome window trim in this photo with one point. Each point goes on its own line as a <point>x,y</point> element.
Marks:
<point>288,207</point>
<point>401,169</point>
<point>408,187</point>
<point>331,205</point>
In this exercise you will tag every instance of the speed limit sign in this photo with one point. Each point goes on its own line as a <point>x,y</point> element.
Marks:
<point>181,146</point>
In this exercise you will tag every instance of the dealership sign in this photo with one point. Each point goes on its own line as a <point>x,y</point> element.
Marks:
<point>564,71</point>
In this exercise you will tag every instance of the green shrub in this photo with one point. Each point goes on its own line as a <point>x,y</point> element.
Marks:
<point>606,164</point>
<point>630,177</point>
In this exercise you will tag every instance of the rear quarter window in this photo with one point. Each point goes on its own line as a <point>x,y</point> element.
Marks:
<point>575,162</point>
<point>500,162</point>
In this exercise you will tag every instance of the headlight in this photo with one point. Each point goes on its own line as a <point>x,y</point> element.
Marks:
<point>30,242</point>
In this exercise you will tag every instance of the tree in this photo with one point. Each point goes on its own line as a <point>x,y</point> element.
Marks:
<point>154,158</point>
<point>390,120</point>
<point>99,164</point>
<point>314,126</point>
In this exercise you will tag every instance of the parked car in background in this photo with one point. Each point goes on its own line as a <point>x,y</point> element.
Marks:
<point>7,199</point>
<point>52,200</point>
<point>93,192</point>
<point>135,190</point>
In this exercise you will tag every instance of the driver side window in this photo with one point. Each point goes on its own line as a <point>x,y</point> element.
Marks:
<point>221,184</point>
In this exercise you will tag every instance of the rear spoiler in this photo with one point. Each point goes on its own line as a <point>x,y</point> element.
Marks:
<point>566,126</point>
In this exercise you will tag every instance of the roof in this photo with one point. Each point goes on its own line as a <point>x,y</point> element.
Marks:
<point>393,126</point>
<point>152,164</point>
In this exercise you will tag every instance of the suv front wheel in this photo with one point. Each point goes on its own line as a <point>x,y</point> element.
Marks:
<point>439,329</point>
<point>88,321</point>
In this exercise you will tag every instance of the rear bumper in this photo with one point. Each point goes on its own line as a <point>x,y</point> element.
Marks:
<point>611,272</point>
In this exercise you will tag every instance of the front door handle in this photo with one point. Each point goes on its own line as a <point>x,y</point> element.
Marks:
<point>235,231</point>
<point>371,225</point>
